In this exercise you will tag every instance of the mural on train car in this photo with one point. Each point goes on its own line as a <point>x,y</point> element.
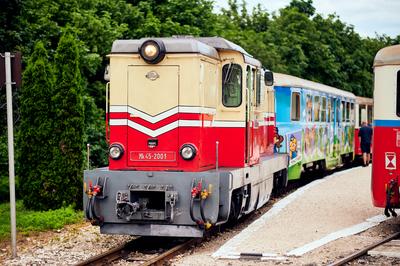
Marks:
<point>307,139</point>
<point>294,148</point>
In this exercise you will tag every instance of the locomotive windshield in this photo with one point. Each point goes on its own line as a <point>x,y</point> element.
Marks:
<point>232,85</point>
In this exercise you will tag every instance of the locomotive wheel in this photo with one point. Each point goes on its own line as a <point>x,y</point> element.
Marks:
<point>236,204</point>
<point>280,182</point>
<point>320,169</point>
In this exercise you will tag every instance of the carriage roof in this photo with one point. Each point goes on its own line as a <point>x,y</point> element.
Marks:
<point>388,56</point>
<point>291,81</point>
<point>208,46</point>
<point>364,100</point>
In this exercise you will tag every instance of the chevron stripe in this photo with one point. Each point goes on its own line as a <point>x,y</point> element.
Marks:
<point>161,116</point>
<point>175,124</point>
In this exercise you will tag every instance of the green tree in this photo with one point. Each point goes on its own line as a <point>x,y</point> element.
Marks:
<point>303,6</point>
<point>69,128</point>
<point>34,140</point>
<point>10,9</point>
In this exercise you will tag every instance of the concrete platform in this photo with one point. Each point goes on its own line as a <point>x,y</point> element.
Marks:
<point>323,211</point>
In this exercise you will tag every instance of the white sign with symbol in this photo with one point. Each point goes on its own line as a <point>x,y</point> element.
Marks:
<point>390,160</point>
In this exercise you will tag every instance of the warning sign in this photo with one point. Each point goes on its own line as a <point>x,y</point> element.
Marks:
<point>390,160</point>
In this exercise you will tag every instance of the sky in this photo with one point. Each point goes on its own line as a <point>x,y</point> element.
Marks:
<point>367,16</point>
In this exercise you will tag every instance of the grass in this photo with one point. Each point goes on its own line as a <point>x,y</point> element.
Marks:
<point>32,221</point>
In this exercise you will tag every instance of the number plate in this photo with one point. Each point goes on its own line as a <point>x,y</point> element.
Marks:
<point>152,156</point>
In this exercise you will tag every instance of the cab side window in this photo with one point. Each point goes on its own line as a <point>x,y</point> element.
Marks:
<point>231,85</point>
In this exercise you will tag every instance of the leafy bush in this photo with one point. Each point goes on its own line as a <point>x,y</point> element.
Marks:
<point>32,221</point>
<point>3,169</point>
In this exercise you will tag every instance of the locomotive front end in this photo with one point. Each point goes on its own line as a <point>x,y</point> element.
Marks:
<point>161,100</point>
<point>160,113</point>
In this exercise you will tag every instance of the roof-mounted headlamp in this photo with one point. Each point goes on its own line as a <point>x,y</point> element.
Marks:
<point>152,51</point>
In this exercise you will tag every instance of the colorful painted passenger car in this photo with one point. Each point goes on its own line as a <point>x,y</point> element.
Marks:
<point>317,122</point>
<point>386,130</point>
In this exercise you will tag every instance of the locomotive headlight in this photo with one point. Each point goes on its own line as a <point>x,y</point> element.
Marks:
<point>116,151</point>
<point>188,151</point>
<point>152,51</point>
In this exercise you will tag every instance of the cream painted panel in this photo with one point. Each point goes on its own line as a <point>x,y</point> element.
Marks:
<point>209,83</point>
<point>385,92</point>
<point>118,80</point>
<point>153,96</point>
<point>190,94</point>
<point>189,83</point>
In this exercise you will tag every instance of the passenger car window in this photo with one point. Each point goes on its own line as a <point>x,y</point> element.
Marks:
<point>370,114</point>
<point>362,114</point>
<point>308,108</point>
<point>323,110</point>
<point>232,85</point>
<point>343,109</point>
<point>295,114</point>
<point>352,112</point>
<point>330,110</point>
<point>316,108</point>
<point>337,108</point>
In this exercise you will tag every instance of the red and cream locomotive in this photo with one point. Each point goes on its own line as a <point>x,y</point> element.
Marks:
<point>191,127</point>
<point>386,130</point>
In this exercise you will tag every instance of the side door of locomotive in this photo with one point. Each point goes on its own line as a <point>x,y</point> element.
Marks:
<point>251,123</point>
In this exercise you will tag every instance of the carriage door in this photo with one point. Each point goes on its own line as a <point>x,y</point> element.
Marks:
<point>250,93</point>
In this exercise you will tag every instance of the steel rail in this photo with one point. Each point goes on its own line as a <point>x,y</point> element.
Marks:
<point>364,251</point>
<point>124,249</point>
<point>169,253</point>
<point>110,255</point>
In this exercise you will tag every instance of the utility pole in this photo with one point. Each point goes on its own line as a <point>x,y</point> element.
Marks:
<point>10,129</point>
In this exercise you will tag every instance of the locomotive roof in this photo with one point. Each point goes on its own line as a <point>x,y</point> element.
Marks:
<point>208,46</point>
<point>291,81</point>
<point>388,56</point>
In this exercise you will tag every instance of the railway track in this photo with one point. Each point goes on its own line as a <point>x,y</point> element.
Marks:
<point>364,251</point>
<point>143,250</point>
